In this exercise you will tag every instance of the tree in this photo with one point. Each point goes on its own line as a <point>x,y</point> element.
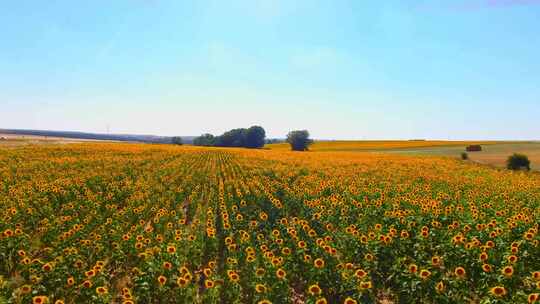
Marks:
<point>518,162</point>
<point>255,136</point>
<point>177,140</point>
<point>232,138</point>
<point>299,140</point>
<point>205,140</point>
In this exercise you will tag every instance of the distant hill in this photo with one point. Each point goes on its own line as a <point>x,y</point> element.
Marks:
<point>98,136</point>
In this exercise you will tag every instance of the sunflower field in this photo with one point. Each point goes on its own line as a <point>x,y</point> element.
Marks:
<point>128,223</point>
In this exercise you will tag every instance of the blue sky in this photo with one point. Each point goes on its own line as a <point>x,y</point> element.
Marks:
<point>341,69</point>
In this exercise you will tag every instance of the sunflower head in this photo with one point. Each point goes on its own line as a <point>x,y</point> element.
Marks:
<point>314,290</point>
<point>498,291</point>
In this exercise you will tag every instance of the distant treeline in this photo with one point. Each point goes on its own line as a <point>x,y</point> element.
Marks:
<point>96,136</point>
<point>275,140</point>
<point>253,137</point>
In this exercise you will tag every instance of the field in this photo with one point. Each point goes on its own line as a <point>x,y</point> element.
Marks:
<point>14,140</point>
<point>127,223</point>
<point>494,153</point>
<point>380,145</point>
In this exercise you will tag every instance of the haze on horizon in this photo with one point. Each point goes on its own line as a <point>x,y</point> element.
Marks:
<point>341,69</point>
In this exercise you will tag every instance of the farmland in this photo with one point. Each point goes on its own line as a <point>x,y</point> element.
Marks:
<point>494,153</point>
<point>127,223</point>
<point>381,145</point>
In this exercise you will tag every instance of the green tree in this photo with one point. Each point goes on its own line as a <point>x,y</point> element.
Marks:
<point>299,140</point>
<point>205,140</point>
<point>518,162</point>
<point>255,137</point>
<point>177,140</point>
<point>232,138</point>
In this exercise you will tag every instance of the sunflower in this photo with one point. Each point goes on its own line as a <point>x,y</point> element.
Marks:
<point>47,267</point>
<point>440,287</point>
<point>101,290</point>
<point>209,284</point>
<point>181,282</point>
<point>260,288</point>
<point>486,267</point>
<point>536,275</point>
<point>25,289</point>
<point>260,272</point>
<point>424,274</point>
<point>264,302</point>
<point>460,272</point>
<point>498,291</point>
<point>349,300</point>
<point>321,301</point>
<point>314,290</point>
<point>162,280</point>
<point>436,261</point>
<point>167,265</point>
<point>413,268</point>
<point>90,274</point>
<point>40,300</point>
<point>512,259</point>
<point>483,256</point>
<point>533,297</point>
<point>369,257</point>
<point>171,249</point>
<point>233,276</point>
<point>280,273</point>
<point>366,285</point>
<point>8,232</point>
<point>87,284</point>
<point>508,271</point>
<point>319,263</point>
<point>59,302</point>
<point>360,273</point>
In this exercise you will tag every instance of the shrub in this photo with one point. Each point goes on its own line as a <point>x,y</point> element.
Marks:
<point>177,140</point>
<point>464,156</point>
<point>518,162</point>
<point>474,148</point>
